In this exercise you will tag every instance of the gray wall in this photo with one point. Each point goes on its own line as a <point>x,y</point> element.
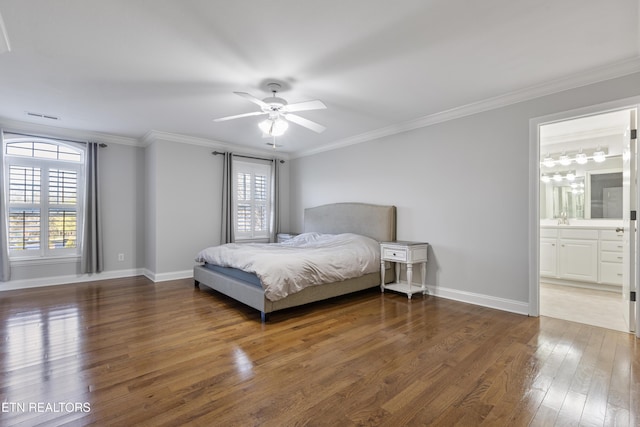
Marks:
<point>184,192</point>
<point>461,185</point>
<point>160,205</point>
<point>183,211</point>
<point>122,197</point>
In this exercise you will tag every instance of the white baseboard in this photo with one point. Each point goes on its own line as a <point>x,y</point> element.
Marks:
<point>503,304</point>
<point>438,291</point>
<point>163,277</point>
<point>65,280</point>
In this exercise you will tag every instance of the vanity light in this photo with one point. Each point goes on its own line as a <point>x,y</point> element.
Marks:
<point>599,156</point>
<point>570,176</point>
<point>581,158</point>
<point>557,177</point>
<point>565,160</point>
<point>545,178</point>
<point>574,185</point>
<point>549,162</point>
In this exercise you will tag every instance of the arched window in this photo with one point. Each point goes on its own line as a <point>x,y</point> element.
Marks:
<point>44,196</point>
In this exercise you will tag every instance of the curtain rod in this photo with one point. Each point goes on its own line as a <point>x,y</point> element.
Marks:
<point>215,153</point>
<point>53,138</point>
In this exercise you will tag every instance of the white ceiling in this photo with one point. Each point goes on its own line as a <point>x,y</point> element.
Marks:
<point>127,67</point>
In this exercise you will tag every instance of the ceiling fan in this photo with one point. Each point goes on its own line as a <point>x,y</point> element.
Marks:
<point>4,38</point>
<point>279,112</point>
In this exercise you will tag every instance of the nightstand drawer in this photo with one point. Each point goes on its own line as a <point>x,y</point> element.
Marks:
<point>394,254</point>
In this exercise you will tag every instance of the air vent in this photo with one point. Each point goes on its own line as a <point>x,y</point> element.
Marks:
<point>42,116</point>
<point>272,145</point>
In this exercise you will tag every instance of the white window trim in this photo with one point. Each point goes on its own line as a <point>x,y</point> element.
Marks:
<point>253,167</point>
<point>33,257</point>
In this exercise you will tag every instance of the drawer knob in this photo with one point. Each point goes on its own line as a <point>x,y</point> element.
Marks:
<point>394,254</point>
<point>619,230</point>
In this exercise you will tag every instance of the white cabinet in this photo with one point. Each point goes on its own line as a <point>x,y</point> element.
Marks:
<point>548,257</point>
<point>610,257</point>
<point>579,259</point>
<point>579,254</point>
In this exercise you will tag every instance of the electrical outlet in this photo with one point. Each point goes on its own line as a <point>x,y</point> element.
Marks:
<point>120,257</point>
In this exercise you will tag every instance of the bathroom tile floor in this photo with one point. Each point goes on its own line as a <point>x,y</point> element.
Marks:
<point>591,307</point>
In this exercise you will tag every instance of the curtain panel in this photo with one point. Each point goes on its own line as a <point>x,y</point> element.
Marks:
<point>5,267</point>
<point>92,260</point>
<point>227,233</point>
<point>275,200</point>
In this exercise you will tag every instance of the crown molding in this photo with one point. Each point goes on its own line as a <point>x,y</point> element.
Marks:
<point>10,125</point>
<point>154,135</point>
<point>607,72</point>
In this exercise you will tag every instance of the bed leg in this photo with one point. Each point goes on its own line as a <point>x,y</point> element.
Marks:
<point>264,317</point>
<point>196,284</point>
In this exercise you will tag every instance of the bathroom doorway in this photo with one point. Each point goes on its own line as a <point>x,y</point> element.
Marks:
<point>586,236</point>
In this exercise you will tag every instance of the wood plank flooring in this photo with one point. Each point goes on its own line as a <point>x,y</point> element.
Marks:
<point>129,352</point>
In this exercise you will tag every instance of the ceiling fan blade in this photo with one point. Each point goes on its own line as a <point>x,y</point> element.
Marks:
<point>255,113</point>
<point>316,104</point>
<point>253,99</point>
<point>304,122</point>
<point>5,46</point>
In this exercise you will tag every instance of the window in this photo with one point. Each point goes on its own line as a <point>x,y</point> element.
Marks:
<point>44,196</point>
<point>252,200</point>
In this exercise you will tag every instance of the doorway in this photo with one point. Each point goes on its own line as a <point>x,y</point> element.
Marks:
<point>586,242</point>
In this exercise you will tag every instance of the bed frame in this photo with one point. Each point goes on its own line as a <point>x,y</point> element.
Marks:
<point>375,221</point>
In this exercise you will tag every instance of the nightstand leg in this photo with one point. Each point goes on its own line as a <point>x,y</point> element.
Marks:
<point>409,278</point>
<point>424,278</point>
<point>382,276</point>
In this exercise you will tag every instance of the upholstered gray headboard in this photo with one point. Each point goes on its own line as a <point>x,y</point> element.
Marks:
<point>375,221</point>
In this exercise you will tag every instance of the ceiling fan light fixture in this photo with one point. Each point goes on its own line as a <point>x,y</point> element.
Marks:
<point>273,127</point>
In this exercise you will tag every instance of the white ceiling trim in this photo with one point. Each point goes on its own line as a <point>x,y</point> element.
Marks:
<point>596,75</point>
<point>9,125</point>
<point>154,135</point>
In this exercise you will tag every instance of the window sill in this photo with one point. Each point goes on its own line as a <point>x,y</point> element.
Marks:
<point>260,240</point>
<point>63,259</point>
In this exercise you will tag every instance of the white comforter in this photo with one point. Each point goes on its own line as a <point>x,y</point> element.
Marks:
<point>307,259</point>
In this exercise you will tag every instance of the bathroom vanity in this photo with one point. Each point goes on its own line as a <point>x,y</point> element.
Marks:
<point>583,255</point>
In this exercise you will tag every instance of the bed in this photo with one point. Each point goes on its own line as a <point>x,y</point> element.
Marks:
<point>375,221</point>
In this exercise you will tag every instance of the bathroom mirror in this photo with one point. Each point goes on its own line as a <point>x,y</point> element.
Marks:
<point>569,199</point>
<point>602,185</point>
<point>605,191</point>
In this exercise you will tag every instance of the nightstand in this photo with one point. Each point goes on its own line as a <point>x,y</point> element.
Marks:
<point>407,254</point>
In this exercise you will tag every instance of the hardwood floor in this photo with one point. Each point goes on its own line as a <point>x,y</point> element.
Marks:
<point>129,352</point>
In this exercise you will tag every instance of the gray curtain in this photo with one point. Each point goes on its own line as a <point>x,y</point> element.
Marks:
<point>5,267</point>
<point>226,233</point>
<point>275,201</point>
<point>92,254</point>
